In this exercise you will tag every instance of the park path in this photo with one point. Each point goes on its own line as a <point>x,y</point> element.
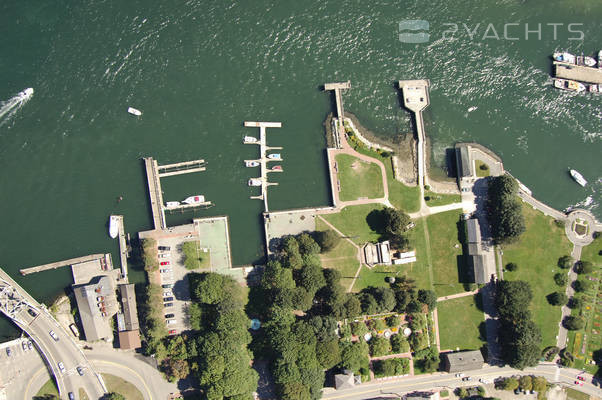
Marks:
<point>561,339</point>
<point>457,295</point>
<point>436,322</point>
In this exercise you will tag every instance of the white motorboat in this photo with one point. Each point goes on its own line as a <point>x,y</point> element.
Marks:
<point>197,199</point>
<point>565,57</point>
<point>250,139</point>
<point>113,226</point>
<point>172,204</point>
<point>26,93</point>
<point>578,177</point>
<point>134,111</point>
<point>255,182</point>
<point>567,84</point>
<point>275,156</point>
<point>589,61</point>
<point>251,163</point>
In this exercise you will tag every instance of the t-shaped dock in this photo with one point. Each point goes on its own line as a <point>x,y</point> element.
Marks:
<point>337,87</point>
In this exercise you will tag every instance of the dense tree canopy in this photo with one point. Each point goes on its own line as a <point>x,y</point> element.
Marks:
<point>504,209</point>
<point>327,240</point>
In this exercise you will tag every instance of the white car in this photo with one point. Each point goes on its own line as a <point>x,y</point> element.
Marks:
<point>167,293</point>
<point>164,255</point>
<point>62,367</point>
<point>460,375</point>
<point>171,321</point>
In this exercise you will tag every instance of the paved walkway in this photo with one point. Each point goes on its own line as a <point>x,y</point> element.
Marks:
<point>561,339</point>
<point>458,295</point>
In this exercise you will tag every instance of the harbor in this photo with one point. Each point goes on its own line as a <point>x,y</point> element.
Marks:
<point>580,73</point>
<point>66,263</point>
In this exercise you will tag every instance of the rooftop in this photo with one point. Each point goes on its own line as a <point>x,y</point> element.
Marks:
<point>128,302</point>
<point>96,326</point>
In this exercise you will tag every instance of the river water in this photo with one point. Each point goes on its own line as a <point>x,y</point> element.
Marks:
<point>198,69</point>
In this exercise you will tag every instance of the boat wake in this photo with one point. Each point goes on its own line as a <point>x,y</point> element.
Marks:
<point>10,107</point>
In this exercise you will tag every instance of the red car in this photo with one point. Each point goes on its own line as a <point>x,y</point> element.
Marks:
<point>578,383</point>
<point>581,378</point>
<point>172,332</point>
<point>164,262</point>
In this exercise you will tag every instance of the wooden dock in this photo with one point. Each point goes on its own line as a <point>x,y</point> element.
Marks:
<point>59,264</point>
<point>123,248</point>
<point>263,159</point>
<point>579,73</point>
<point>185,167</point>
<point>155,192</point>
<point>337,87</point>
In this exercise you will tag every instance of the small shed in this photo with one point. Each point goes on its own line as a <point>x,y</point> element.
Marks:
<point>463,361</point>
<point>344,381</point>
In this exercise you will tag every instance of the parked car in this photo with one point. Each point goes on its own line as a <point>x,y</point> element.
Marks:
<point>167,293</point>
<point>29,345</point>
<point>9,352</point>
<point>460,375</point>
<point>167,285</point>
<point>578,383</point>
<point>71,396</point>
<point>167,305</point>
<point>24,345</point>
<point>164,248</point>
<point>32,312</point>
<point>581,378</point>
<point>165,270</point>
<point>165,262</point>
<point>54,335</point>
<point>62,367</point>
<point>466,378</point>
<point>74,330</point>
<point>171,321</point>
<point>80,371</point>
<point>169,315</point>
<point>167,298</point>
<point>172,332</point>
<point>164,255</point>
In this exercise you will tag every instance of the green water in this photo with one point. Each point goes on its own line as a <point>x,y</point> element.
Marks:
<point>198,69</point>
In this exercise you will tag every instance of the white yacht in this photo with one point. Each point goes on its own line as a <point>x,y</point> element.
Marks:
<point>255,182</point>
<point>172,204</point>
<point>589,61</point>
<point>26,93</point>
<point>250,139</point>
<point>134,111</point>
<point>274,156</point>
<point>113,226</point>
<point>251,163</point>
<point>578,177</point>
<point>565,57</point>
<point>567,84</point>
<point>197,199</point>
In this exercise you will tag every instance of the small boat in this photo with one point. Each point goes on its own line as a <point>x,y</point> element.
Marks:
<point>113,226</point>
<point>255,182</point>
<point>578,177</point>
<point>275,156</point>
<point>26,93</point>
<point>589,61</point>
<point>172,204</point>
<point>565,57</point>
<point>250,139</point>
<point>567,84</point>
<point>198,199</point>
<point>251,163</point>
<point>134,111</point>
<point>277,168</point>
<point>594,88</point>
<point>600,59</point>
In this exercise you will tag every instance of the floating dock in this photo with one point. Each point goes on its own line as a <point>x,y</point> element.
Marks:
<point>579,73</point>
<point>337,87</point>
<point>60,264</point>
<point>123,248</point>
<point>154,173</point>
<point>263,160</point>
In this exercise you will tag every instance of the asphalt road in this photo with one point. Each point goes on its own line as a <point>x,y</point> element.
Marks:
<point>439,380</point>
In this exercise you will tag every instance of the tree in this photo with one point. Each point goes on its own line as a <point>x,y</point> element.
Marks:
<point>369,304</point>
<point>399,242</point>
<point>504,209</point>
<point>582,285</point>
<point>393,321</point>
<point>399,344</point>
<point>539,384</point>
<point>557,299</point>
<point>573,323</point>
<point>509,384</point>
<point>354,355</point>
<point>307,245</point>
<point>327,240</point>
<point>328,352</point>
<point>114,396</point>
<point>311,278</point>
<point>352,306</point>
<point>377,324</point>
<point>428,297</point>
<point>395,221</point>
<point>576,303</point>
<point>150,254</point>
<point>513,298</point>
<point>175,369</point>
<point>418,341</point>
<point>511,267</point>
<point>379,346</point>
<point>565,262</point>
<point>584,267</point>
<point>525,382</point>
<point>561,279</point>
<point>209,288</point>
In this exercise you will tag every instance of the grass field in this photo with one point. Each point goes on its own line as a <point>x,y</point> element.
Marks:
<point>572,394</point>
<point>481,173</point>
<point>49,388</point>
<point>536,254</point>
<point>359,179</point>
<point>343,257</point>
<point>592,253</point>
<point>351,221</point>
<point>437,199</point>
<point>402,197</point>
<point>459,323</point>
<point>449,269</point>
<point>123,387</point>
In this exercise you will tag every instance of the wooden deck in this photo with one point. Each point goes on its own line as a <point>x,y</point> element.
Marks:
<point>155,192</point>
<point>578,72</point>
<point>60,264</point>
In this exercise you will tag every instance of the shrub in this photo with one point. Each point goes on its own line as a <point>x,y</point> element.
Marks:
<point>359,328</point>
<point>379,346</point>
<point>525,382</point>
<point>565,262</point>
<point>192,259</point>
<point>582,285</point>
<point>561,279</point>
<point>584,267</point>
<point>549,353</point>
<point>149,254</point>
<point>391,367</point>
<point>377,324</point>
<point>393,321</point>
<point>575,303</point>
<point>511,267</point>
<point>399,344</point>
<point>483,167</point>
<point>557,299</point>
<point>327,240</point>
<point>573,323</point>
<point>559,223</point>
<point>507,384</point>
<point>418,341</point>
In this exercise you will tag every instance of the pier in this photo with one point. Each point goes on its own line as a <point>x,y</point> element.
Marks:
<point>263,159</point>
<point>154,173</point>
<point>60,264</point>
<point>579,73</point>
<point>123,248</point>
<point>337,87</point>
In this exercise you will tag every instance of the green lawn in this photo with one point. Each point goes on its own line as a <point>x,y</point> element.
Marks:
<point>459,323</point>
<point>449,270</point>
<point>536,254</point>
<point>592,254</point>
<point>49,388</point>
<point>572,394</point>
<point>123,387</point>
<point>402,197</point>
<point>351,221</point>
<point>359,179</point>
<point>481,173</point>
<point>343,258</point>
<point>437,199</point>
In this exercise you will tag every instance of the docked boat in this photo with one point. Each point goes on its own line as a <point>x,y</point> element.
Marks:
<point>275,156</point>
<point>277,168</point>
<point>197,199</point>
<point>589,61</point>
<point>594,88</point>
<point>578,177</point>
<point>250,139</point>
<point>567,84</point>
<point>600,59</point>
<point>134,111</point>
<point>113,226</point>
<point>564,57</point>
<point>254,182</point>
<point>172,204</point>
<point>251,163</point>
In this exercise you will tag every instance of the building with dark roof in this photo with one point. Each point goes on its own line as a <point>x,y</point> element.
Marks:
<point>480,269</point>
<point>91,300</point>
<point>463,361</point>
<point>473,230</point>
<point>128,303</point>
<point>344,381</point>
<point>129,340</point>
<point>464,168</point>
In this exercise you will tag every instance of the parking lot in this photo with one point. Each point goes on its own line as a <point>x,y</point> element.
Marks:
<point>16,369</point>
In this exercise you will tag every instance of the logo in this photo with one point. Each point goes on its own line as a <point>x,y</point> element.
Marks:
<point>414,25</point>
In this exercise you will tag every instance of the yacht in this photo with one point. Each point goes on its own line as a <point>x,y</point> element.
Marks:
<point>277,168</point>
<point>578,177</point>
<point>589,61</point>
<point>251,163</point>
<point>250,139</point>
<point>134,111</point>
<point>26,93</point>
<point>172,204</point>
<point>113,226</point>
<point>255,182</point>
<point>275,156</point>
<point>567,84</point>
<point>565,57</point>
<point>197,199</point>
